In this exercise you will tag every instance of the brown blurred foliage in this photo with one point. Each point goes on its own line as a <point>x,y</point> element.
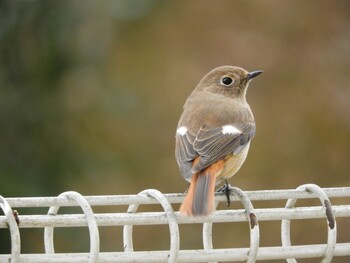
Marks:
<point>91,93</point>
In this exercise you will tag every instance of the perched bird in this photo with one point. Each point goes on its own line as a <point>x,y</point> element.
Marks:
<point>213,135</point>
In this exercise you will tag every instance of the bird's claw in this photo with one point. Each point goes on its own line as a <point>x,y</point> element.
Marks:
<point>226,188</point>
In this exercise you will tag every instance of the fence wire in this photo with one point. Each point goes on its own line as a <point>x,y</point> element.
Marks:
<point>131,217</point>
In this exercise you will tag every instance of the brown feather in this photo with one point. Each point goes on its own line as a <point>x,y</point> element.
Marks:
<point>199,199</point>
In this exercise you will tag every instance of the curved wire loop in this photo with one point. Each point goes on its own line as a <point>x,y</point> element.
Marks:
<point>331,223</point>
<point>91,221</point>
<point>207,233</point>
<point>14,231</point>
<point>170,215</point>
<point>253,223</point>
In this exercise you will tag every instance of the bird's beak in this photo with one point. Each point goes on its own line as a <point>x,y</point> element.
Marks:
<point>254,74</point>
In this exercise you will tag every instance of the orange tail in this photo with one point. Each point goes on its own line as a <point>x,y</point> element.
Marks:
<point>200,196</point>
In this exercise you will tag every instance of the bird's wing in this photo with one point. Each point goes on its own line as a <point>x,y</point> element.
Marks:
<point>185,153</point>
<point>210,144</point>
<point>214,143</point>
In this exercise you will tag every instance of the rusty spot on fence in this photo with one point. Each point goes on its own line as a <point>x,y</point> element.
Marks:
<point>329,214</point>
<point>253,220</point>
<point>15,214</point>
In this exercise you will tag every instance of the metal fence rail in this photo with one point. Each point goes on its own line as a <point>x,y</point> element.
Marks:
<point>131,217</point>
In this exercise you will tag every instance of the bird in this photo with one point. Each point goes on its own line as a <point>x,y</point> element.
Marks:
<point>213,136</point>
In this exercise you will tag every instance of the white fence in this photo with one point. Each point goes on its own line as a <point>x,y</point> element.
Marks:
<point>127,220</point>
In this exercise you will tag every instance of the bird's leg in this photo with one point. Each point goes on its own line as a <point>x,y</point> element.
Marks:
<point>226,188</point>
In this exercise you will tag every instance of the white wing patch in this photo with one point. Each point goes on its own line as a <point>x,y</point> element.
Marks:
<point>230,129</point>
<point>182,130</point>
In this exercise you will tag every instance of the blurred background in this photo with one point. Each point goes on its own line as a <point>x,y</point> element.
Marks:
<point>91,92</point>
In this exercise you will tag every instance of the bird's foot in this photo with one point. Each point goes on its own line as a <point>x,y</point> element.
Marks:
<point>226,188</point>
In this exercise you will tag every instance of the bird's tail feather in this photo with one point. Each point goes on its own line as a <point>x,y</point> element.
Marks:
<point>200,196</point>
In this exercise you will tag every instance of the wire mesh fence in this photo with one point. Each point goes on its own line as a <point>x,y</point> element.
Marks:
<point>127,220</point>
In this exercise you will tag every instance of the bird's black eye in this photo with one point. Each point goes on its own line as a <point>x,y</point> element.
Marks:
<point>226,81</point>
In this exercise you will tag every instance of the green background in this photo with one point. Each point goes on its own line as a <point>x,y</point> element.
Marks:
<point>91,92</point>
